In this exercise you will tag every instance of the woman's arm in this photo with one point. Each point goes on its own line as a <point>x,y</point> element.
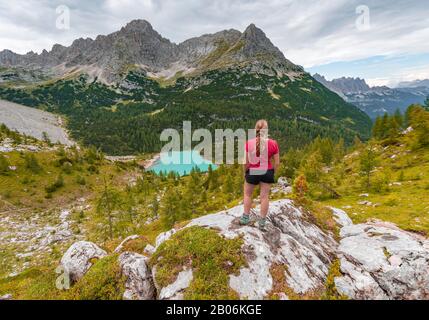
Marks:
<point>246,162</point>
<point>276,163</point>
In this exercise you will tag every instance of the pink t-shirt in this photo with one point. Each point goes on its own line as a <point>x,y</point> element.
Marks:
<point>263,162</point>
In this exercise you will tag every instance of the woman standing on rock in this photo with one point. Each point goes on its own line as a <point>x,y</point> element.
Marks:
<point>262,160</point>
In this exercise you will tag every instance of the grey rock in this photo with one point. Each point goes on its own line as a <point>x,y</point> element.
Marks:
<point>174,291</point>
<point>6,297</point>
<point>381,261</point>
<point>149,249</point>
<point>77,259</point>
<point>125,241</point>
<point>164,237</point>
<point>139,284</point>
<point>341,217</point>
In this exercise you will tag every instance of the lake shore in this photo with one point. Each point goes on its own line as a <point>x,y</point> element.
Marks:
<point>149,163</point>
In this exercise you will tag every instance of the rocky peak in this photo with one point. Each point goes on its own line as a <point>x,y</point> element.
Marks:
<point>138,25</point>
<point>256,42</point>
<point>351,84</point>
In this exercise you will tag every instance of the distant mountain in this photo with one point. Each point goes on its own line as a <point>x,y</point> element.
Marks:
<point>344,85</point>
<point>414,84</point>
<point>120,91</point>
<point>375,101</point>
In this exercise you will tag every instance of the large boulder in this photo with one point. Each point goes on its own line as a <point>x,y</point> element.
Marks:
<point>139,284</point>
<point>381,261</point>
<point>79,258</point>
<point>292,240</point>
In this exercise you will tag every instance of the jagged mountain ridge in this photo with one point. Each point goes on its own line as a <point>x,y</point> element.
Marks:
<point>375,101</point>
<point>138,45</point>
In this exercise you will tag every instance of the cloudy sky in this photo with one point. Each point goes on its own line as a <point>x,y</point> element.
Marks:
<point>383,41</point>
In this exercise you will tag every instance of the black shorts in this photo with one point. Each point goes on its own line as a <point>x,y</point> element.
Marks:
<point>264,177</point>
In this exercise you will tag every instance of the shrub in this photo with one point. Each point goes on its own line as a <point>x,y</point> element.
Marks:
<point>300,186</point>
<point>4,164</point>
<point>102,282</point>
<point>67,167</point>
<point>31,163</point>
<point>80,180</point>
<point>59,183</point>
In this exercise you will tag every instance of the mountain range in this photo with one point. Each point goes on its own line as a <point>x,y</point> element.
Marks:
<point>119,91</point>
<point>138,45</point>
<point>376,101</point>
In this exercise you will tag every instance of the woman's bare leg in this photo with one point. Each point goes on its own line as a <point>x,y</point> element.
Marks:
<point>265,199</point>
<point>248,193</point>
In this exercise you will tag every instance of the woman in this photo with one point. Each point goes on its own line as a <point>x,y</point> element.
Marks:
<point>262,160</point>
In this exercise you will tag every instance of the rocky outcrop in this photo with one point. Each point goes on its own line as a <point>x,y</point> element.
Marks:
<point>139,284</point>
<point>79,258</point>
<point>377,259</point>
<point>381,261</point>
<point>305,251</point>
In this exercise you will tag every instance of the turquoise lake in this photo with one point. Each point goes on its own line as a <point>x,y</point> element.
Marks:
<point>181,163</point>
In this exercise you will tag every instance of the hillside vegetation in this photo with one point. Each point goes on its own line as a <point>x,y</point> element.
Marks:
<point>385,179</point>
<point>128,118</point>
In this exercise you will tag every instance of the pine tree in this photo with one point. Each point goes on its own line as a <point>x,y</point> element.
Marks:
<point>394,127</point>
<point>377,129</point>
<point>385,126</point>
<point>426,105</point>
<point>169,206</point>
<point>367,164</point>
<point>155,206</point>
<point>399,118</point>
<point>312,167</point>
<point>108,202</point>
<point>419,121</point>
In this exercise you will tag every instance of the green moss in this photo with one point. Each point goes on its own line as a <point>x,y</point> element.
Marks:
<point>331,292</point>
<point>211,257</point>
<point>278,273</point>
<point>32,284</point>
<point>102,282</point>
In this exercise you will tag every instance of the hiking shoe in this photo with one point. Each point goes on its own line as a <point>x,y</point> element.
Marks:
<point>245,220</point>
<point>262,225</point>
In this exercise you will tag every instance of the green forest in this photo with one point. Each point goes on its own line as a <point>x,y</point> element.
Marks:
<point>129,117</point>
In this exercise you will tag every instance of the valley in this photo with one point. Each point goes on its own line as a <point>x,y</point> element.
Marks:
<point>79,126</point>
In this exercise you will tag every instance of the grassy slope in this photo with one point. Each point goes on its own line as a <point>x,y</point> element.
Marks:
<point>399,192</point>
